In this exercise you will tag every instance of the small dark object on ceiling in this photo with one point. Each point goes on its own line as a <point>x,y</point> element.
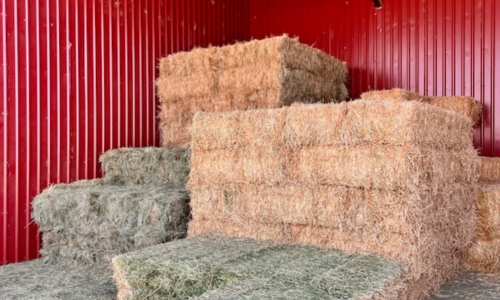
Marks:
<point>377,3</point>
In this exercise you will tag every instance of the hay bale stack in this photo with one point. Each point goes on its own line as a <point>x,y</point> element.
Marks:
<point>166,167</point>
<point>94,223</point>
<point>465,106</point>
<point>381,177</point>
<point>141,201</point>
<point>267,73</point>
<point>484,253</point>
<point>208,268</point>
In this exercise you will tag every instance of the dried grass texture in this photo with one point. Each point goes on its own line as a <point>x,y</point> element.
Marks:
<point>369,166</point>
<point>393,95</point>
<point>35,280</point>
<point>465,106</point>
<point>364,176</point>
<point>93,223</point>
<point>353,220</point>
<point>346,124</point>
<point>490,169</point>
<point>176,117</point>
<point>483,256</point>
<point>288,84</point>
<point>207,268</point>
<point>484,253</point>
<point>267,73</point>
<point>284,50</point>
<point>166,167</point>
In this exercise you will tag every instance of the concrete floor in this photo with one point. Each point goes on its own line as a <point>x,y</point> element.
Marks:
<point>470,286</point>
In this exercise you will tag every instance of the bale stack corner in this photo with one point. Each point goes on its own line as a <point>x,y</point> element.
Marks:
<point>267,73</point>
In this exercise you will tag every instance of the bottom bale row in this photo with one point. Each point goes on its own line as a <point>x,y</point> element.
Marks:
<point>210,268</point>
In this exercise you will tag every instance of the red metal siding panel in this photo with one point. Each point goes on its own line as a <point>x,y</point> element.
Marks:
<point>433,47</point>
<point>78,79</point>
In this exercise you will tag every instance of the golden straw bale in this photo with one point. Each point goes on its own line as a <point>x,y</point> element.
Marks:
<point>490,169</point>
<point>406,123</point>
<point>465,106</point>
<point>252,165</point>
<point>282,49</point>
<point>356,122</point>
<point>393,95</point>
<point>371,166</point>
<point>325,206</point>
<point>237,129</point>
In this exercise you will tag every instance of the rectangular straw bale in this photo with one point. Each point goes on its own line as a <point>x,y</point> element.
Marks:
<point>281,49</point>
<point>393,95</point>
<point>245,165</point>
<point>91,224</point>
<point>210,268</point>
<point>465,106</point>
<point>325,206</point>
<point>376,166</point>
<point>490,169</point>
<point>356,122</point>
<point>238,129</point>
<point>168,167</point>
<point>370,166</point>
<point>406,123</point>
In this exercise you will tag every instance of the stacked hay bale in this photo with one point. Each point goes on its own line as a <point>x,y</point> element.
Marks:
<point>267,73</point>
<point>465,106</point>
<point>390,178</point>
<point>208,268</point>
<point>484,253</point>
<point>141,201</point>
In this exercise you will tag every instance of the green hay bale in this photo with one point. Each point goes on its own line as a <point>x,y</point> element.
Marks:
<point>94,223</point>
<point>35,280</point>
<point>168,167</point>
<point>246,269</point>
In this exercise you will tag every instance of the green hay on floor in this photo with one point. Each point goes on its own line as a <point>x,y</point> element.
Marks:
<point>210,268</point>
<point>35,280</point>
<point>168,167</point>
<point>94,223</point>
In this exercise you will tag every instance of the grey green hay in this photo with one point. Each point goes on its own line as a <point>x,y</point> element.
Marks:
<point>97,222</point>
<point>211,268</point>
<point>168,167</point>
<point>35,280</point>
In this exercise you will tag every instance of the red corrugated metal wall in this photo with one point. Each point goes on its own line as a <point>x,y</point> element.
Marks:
<point>78,79</point>
<point>434,47</point>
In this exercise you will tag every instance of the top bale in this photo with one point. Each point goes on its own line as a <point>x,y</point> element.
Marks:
<point>393,95</point>
<point>168,167</point>
<point>287,51</point>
